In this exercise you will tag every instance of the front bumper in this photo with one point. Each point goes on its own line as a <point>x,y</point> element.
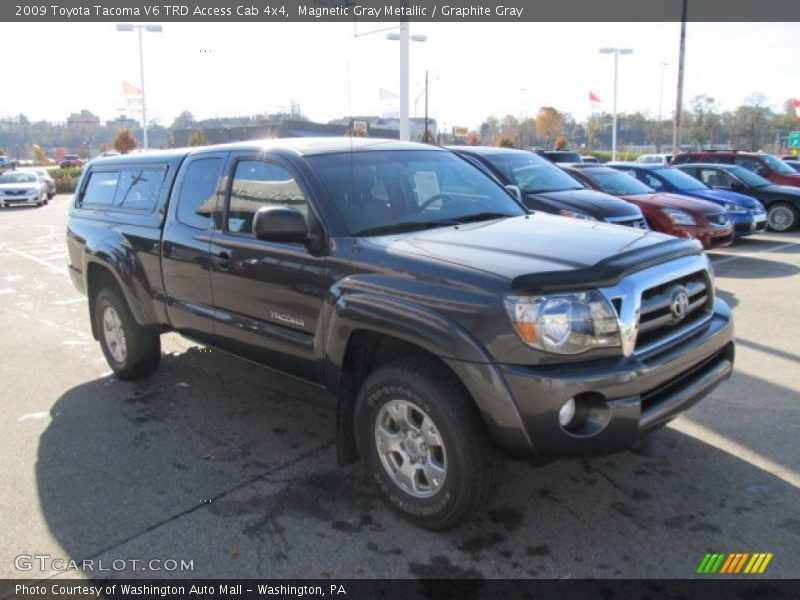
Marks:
<point>750,223</point>
<point>711,237</point>
<point>31,198</point>
<point>628,396</point>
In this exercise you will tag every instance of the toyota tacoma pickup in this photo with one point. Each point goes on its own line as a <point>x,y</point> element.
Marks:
<point>450,325</point>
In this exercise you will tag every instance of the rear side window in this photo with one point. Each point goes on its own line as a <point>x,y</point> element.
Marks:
<point>197,195</point>
<point>100,188</point>
<point>139,189</point>
<point>135,189</point>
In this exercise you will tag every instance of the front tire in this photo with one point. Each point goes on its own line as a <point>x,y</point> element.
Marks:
<point>781,217</point>
<point>424,444</point>
<point>131,350</point>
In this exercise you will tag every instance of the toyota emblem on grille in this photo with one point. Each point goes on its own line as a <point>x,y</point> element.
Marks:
<point>679,303</point>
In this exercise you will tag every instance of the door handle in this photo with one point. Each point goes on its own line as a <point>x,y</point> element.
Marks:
<point>222,260</point>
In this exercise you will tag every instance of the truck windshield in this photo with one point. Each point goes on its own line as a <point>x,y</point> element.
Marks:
<point>749,178</point>
<point>778,165</point>
<point>616,183</point>
<point>532,174</point>
<point>391,191</point>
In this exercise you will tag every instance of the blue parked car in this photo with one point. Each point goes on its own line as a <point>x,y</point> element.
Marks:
<point>748,214</point>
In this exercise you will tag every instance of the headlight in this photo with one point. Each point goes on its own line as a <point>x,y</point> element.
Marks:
<point>568,323</point>
<point>576,215</point>
<point>679,217</point>
<point>732,207</point>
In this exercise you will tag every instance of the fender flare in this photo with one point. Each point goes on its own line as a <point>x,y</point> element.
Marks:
<point>432,332</point>
<point>127,272</point>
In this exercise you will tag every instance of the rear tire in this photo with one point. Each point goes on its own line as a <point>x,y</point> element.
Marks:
<point>131,350</point>
<point>781,217</point>
<point>424,444</point>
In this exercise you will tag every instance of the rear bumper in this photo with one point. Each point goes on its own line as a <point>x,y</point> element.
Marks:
<point>624,398</point>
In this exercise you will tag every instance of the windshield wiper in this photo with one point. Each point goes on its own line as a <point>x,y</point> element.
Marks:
<point>482,216</point>
<point>404,227</point>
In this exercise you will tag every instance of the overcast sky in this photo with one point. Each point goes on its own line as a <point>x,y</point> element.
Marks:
<point>476,70</point>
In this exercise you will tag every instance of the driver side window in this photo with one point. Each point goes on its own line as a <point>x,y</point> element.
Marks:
<point>257,184</point>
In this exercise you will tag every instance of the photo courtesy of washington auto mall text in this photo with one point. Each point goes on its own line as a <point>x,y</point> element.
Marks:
<point>403,299</point>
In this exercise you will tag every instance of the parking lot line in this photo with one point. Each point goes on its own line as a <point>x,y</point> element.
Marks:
<point>55,269</point>
<point>730,258</point>
<point>706,435</point>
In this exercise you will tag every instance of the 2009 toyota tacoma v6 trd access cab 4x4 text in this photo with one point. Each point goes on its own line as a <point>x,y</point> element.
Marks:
<point>450,324</point>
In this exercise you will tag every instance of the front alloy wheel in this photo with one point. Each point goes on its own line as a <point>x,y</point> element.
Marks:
<point>781,217</point>
<point>410,448</point>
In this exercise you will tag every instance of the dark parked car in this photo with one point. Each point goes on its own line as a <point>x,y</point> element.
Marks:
<point>71,160</point>
<point>544,187</point>
<point>445,321</point>
<point>560,156</point>
<point>668,213</point>
<point>782,202</point>
<point>747,214</point>
<point>7,163</point>
<point>767,165</point>
<point>794,163</point>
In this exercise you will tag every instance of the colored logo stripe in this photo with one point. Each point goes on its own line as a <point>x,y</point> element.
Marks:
<point>734,563</point>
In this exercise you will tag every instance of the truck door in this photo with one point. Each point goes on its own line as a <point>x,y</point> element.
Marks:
<point>185,259</point>
<point>268,295</point>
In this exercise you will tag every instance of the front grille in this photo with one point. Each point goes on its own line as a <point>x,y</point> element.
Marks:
<point>15,192</point>
<point>636,222</point>
<point>665,314</point>
<point>720,219</point>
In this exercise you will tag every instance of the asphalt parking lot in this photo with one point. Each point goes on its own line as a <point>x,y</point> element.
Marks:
<point>228,466</point>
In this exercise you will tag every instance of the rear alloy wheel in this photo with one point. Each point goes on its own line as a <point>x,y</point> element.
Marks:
<point>131,350</point>
<point>781,217</point>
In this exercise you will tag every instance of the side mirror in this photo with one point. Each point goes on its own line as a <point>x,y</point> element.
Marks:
<point>280,224</point>
<point>515,191</point>
<point>737,186</point>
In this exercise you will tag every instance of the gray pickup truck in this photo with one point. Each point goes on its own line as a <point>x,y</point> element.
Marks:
<point>450,325</point>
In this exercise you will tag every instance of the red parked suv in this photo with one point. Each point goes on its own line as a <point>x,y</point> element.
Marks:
<point>767,165</point>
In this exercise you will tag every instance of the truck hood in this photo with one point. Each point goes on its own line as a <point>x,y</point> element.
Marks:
<point>725,196</point>
<point>522,245</point>
<point>596,204</point>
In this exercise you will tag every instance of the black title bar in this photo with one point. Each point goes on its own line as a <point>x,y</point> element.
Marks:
<point>378,11</point>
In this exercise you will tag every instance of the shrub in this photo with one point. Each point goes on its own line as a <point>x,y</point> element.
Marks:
<point>66,179</point>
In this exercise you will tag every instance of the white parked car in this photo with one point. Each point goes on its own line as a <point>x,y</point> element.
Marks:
<point>655,159</point>
<point>22,187</point>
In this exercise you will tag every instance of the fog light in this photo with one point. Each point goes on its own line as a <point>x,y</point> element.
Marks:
<point>567,412</point>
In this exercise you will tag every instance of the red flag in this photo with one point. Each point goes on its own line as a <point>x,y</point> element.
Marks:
<point>130,89</point>
<point>593,97</point>
<point>795,103</point>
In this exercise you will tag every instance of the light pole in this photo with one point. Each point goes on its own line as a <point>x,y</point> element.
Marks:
<point>138,27</point>
<point>404,37</point>
<point>616,52</point>
<point>660,107</point>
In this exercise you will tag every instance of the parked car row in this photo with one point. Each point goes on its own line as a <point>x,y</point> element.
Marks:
<point>757,190</point>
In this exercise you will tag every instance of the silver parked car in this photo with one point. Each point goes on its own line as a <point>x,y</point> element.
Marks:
<point>22,187</point>
<point>44,175</point>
